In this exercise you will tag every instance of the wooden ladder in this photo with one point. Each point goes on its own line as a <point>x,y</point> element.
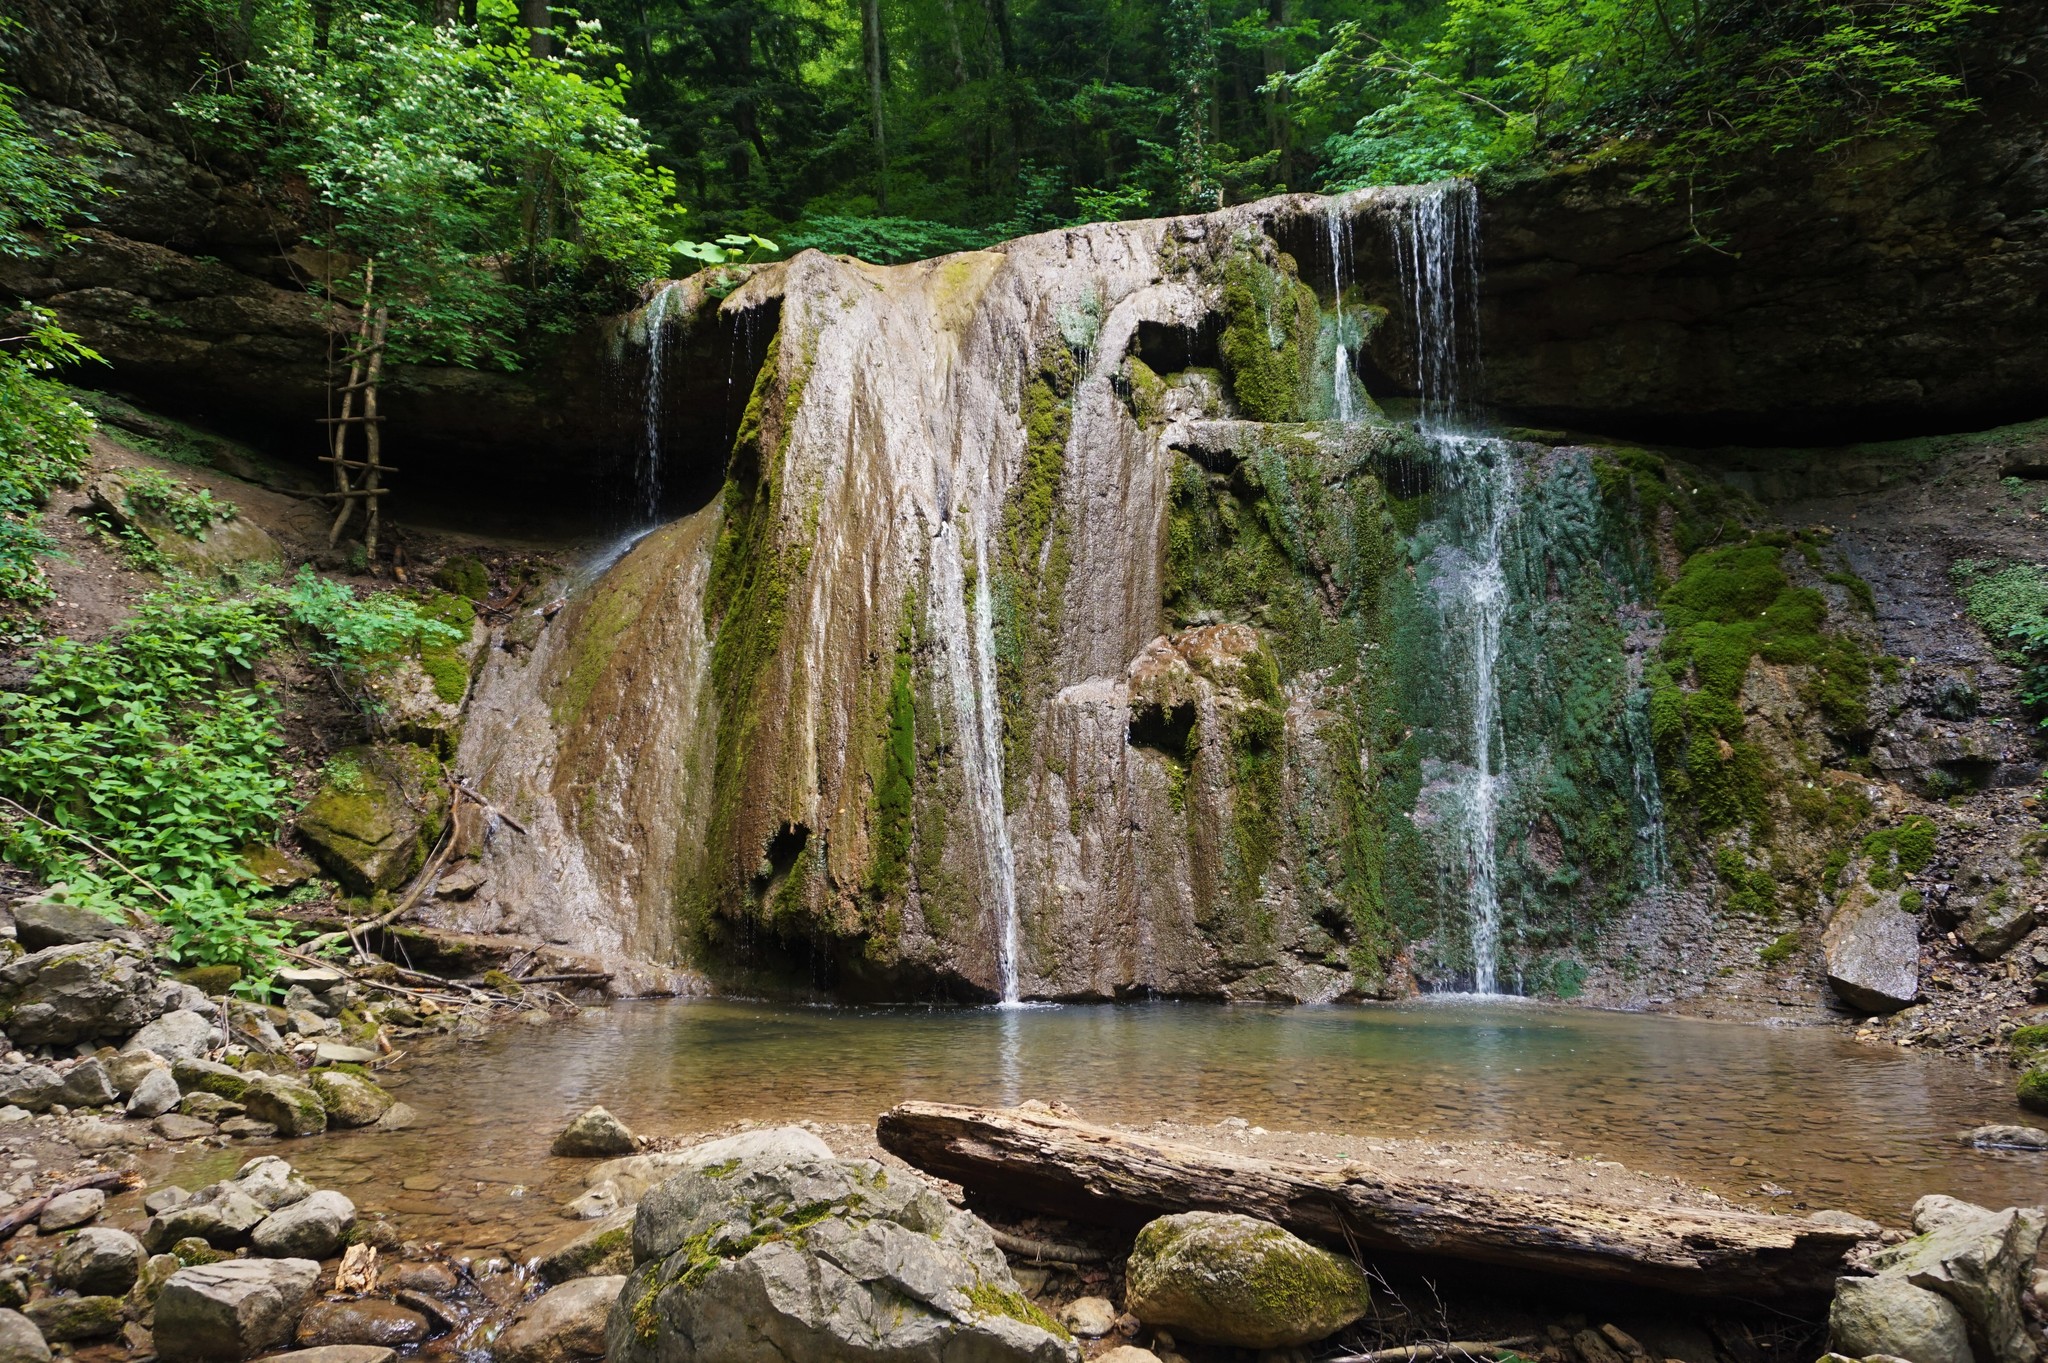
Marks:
<point>360,481</point>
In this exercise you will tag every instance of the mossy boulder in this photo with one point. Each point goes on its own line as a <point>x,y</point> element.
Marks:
<point>63,1319</point>
<point>350,1099</point>
<point>843,1256</point>
<point>2033,1089</point>
<point>463,575</point>
<point>1227,1279</point>
<point>2029,1045</point>
<point>373,817</point>
<point>228,546</point>
<point>293,1108</point>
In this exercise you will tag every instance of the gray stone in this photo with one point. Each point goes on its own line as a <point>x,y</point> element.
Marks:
<point>30,1087</point>
<point>339,1053</point>
<point>2007,1137</point>
<point>595,1133</point>
<point>366,1321</point>
<point>883,1269</point>
<point>314,1227</point>
<point>270,1182</point>
<point>636,1174</point>
<point>225,1312</point>
<point>74,1208</point>
<point>179,1035</point>
<point>582,1251</point>
<point>20,1340</point>
<point>131,1067</point>
<point>222,1223</point>
<point>166,1198</point>
<point>154,1096</point>
<point>98,1261</point>
<point>68,994</point>
<point>1228,1279</point>
<point>91,1133</point>
<point>350,1099</point>
<point>87,1084</point>
<point>156,1271</point>
<point>398,1117</point>
<point>314,979</point>
<point>246,1128</point>
<point>1997,925</point>
<point>1089,1317</point>
<point>176,1126</point>
<point>1888,1315</point>
<point>337,1353</point>
<point>290,1106</point>
<point>43,923</point>
<point>64,1319</point>
<point>1977,1258</point>
<point>1873,953</point>
<point>594,1204</point>
<point>563,1324</point>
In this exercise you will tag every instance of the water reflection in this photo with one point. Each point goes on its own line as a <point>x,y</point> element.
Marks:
<point>1836,1123</point>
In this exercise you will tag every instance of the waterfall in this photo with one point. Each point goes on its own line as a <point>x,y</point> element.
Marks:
<point>643,497</point>
<point>1337,231</point>
<point>1437,249</point>
<point>970,661</point>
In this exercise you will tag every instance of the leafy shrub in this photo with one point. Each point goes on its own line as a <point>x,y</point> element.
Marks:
<point>352,630</point>
<point>2010,604</point>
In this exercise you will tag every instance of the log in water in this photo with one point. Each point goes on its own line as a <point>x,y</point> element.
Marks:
<point>1060,1166</point>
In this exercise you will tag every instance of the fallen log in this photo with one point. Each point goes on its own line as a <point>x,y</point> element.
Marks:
<point>1061,1167</point>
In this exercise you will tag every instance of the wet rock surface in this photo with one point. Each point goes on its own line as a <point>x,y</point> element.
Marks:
<point>1227,1279</point>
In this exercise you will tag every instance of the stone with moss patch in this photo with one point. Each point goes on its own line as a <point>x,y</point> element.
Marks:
<point>369,824</point>
<point>1228,1279</point>
<point>834,1256</point>
<point>2033,1089</point>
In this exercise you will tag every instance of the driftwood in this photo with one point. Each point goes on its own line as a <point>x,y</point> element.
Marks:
<point>1044,1251</point>
<point>112,1180</point>
<point>1422,1353</point>
<point>1062,1167</point>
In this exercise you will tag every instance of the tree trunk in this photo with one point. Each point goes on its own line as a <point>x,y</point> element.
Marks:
<point>1057,1166</point>
<point>535,18</point>
<point>323,20</point>
<point>871,36</point>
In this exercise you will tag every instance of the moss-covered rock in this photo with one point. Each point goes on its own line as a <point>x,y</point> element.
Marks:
<point>350,1099</point>
<point>295,1109</point>
<point>1228,1279</point>
<point>63,1319</point>
<point>169,516</point>
<point>2033,1089</point>
<point>463,575</point>
<point>370,822</point>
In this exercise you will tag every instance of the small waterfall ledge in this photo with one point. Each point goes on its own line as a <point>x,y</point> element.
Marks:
<point>1078,619</point>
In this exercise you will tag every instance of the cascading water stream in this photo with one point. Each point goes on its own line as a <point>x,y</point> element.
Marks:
<point>1337,232</point>
<point>654,323</point>
<point>968,638</point>
<point>1437,247</point>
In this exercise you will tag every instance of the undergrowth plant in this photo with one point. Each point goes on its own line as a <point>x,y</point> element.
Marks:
<point>2010,602</point>
<point>190,511</point>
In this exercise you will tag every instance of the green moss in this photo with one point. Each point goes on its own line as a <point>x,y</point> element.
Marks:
<point>1782,949</point>
<point>1033,560</point>
<point>1257,752</point>
<point>1899,852</point>
<point>992,1300</point>
<point>1747,891</point>
<point>2029,1044</point>
<point>443,662</point>
<point>1270,325</point>
<point>464,575</point>
<point>2033,1090</point>
<point>893,789</point>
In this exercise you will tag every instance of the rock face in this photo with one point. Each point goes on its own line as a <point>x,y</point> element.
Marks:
<point>1873,953</point>
<point>226,1312</point>
<point>79,993</point>
<point>368,825</point>
<point>1227,1279</point>
<point>595,1133</point>
<point>561,1325</point>
<point>1950,1294</point>
<point>818,1261</point>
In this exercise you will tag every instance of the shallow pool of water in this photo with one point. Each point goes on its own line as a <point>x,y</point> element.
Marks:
<point>1835,1122</point>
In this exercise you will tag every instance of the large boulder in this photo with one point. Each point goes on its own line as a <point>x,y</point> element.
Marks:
<point>181,1034</point>
<point>20,1340</point>
<point>371,821</point>
<point>88,992</point>
<point>1974,1260</point>
<point>66,1319</point>
<point>314,1227</point>
<point>1892,1317</point>
<point>635,1175</point>
<point>1228,1279</point>
<point>595,1133</point>
<point>98,1261</point>
<point>210,1076</point>
<point>32,1087</point>
<point>87,1084</point>
<point>562,1325</point>
<point>1997,925</point>
<point>223,1222</point>
<point>1873,953</point>
<point>226,547</point>
<point>154,1094</point>
<point>604,1249</point>
<point>44,923</point>
<point>365,1321</point>
<point>816,1262</point>
<point>225,1312</point>
<point>266,1180</point>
